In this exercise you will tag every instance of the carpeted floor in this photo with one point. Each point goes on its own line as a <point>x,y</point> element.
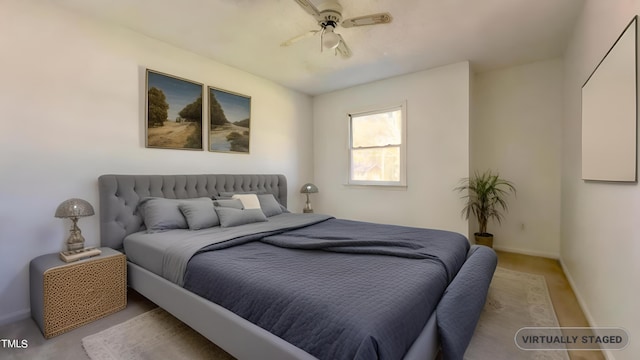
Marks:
<point>153,335</point>
<point>516,299</point>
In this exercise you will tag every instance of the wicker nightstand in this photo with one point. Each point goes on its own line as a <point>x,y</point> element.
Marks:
<point>65,296</point>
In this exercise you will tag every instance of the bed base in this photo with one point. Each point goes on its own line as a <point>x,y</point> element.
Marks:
<point>234,334</point>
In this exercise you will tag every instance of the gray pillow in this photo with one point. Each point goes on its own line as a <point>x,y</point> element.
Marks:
<point>199,213</point>
<point>270,206</point>
<point>232,203</point>
<point>161,214</point>
<point>230,217</point>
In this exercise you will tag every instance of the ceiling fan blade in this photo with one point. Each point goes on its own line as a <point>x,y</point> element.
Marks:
<point>373,19</point>
<point>342,48</point>
<point>308,7</point>
<point>300,37</point>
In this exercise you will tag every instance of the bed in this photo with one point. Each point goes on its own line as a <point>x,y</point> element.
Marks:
<point>210,285</point>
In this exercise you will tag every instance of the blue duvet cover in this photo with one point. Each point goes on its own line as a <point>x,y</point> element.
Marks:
<point>337,289</point>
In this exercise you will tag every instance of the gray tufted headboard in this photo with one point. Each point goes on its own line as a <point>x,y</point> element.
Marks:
<point>120,195</point>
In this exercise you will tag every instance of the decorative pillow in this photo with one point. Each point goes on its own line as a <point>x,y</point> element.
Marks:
<point>232,203</point>
<point>229,194</point>
<point>269,205</point>
<point>199,213</point>
<point>161,214</point>
<point>230,217</point>
<point>249,201</point>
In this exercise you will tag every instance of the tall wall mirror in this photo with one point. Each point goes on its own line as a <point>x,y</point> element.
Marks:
<point>609,113</point>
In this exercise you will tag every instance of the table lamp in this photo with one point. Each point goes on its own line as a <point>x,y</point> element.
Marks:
<point>75,209</point>
<point>307,189</point>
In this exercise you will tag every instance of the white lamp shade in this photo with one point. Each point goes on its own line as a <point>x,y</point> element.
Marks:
<point>330,40</point>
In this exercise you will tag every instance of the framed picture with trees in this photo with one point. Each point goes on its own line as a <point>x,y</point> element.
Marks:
<point>229,121</point>
<point>174,112</point>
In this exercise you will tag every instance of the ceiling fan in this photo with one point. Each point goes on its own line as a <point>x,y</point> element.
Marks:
<point>328,13</point>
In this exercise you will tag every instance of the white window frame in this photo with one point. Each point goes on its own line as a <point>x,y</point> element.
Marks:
<point>403,146</point>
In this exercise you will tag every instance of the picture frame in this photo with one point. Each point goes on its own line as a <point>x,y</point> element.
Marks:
<point>229,121</point>
<point>610,113</point>
<point>174,112</point>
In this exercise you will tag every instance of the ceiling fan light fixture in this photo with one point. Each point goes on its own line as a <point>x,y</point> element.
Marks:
<point>328,14</point>
<point>330,40</point>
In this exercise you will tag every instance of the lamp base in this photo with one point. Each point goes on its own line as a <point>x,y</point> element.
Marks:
<point>75,255</point>
<point>75,242</point>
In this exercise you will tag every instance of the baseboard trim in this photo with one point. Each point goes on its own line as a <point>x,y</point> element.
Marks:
<point>15,316</point>
<point>583,305</point>
<point>527,252</point>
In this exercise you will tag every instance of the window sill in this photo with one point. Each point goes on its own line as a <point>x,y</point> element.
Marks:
<point>378,186</point>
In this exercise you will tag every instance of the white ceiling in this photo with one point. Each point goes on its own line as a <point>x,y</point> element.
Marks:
<point>247,34</point>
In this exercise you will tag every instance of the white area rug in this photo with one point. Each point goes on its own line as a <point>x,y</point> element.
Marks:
<point>155,334</point>
<point>515,300</point>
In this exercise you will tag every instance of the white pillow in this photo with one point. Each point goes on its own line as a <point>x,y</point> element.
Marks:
<point>249,201</point>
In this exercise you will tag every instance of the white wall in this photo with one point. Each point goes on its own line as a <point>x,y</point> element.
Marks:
<point>516,130</point>
<point>600,246</point>
<point>437,150</point>
<point>72,108</point>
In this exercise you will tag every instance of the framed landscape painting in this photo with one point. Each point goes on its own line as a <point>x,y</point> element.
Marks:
<point>174,112</point>
<point>229,121</point>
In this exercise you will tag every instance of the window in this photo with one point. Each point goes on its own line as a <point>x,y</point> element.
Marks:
<point>377,147</point>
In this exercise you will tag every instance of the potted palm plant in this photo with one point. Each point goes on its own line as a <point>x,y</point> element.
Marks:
<point>485,197</point>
